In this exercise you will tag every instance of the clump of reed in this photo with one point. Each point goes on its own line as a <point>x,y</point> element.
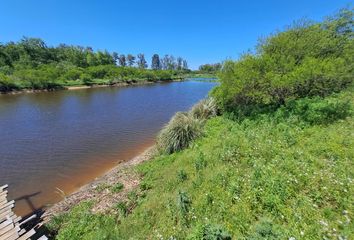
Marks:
<point>185,127</point>
<point>204,109</point>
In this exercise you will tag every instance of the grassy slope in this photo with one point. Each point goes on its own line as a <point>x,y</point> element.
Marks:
<point>257,179</point>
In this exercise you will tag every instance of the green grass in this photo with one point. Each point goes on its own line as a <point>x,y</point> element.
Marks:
<point>116,188</point>
<point>277,175</point>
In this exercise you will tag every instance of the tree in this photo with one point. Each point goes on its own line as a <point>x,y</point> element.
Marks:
<point>179,63</point>
<point>141,61</point>
<point>210,68</point>
<point>131,60</point>
<point>122,60</point>
<point>155,62</point>
<point>35,51</point>
<point>169,62</point>
<point>115,56</point>
<point>91,59</point>
<point>185,65</point>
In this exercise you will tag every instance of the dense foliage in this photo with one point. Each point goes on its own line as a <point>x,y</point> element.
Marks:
<point>210,68</point>
<point>31,64</point>
<point>308,59</point>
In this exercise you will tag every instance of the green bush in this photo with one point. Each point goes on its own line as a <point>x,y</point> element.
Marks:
<point>210,232</point>
<point>73,74</point>
<point>317,110</point>
<point>184,206</point>
<point>182,175</point>
<point>265,229</point>
<point>122,209</point>
<point>306,60</point>
<point>6,85</point>
<point>87,79</point>
<point>179,133</point>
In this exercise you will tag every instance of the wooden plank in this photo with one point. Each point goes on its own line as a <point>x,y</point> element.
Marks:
<point>3,193</point>
<point>6,216</point>
<point>14,236</point>
<point>10,233</point>
<point>23,231</point>
<point>3,202</point>
<point>3,199</point>
<point>5,223</point>
<point>6,209</point>
<point>17,219</point>
<point>27,235</point>
<point>6,229</point>
<point>10,223</point>
<point>7,204</point>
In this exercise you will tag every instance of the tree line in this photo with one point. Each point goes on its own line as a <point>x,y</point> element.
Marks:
<point>30,63</point>
<point>210,68</point>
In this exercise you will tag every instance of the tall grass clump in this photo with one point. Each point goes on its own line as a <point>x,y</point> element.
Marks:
<point>204,109</point>
<point>182,129</point>
<point>185,127</point>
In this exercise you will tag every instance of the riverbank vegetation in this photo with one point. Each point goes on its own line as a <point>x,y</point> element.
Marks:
<point>31,64</point>
<point>276,163</point>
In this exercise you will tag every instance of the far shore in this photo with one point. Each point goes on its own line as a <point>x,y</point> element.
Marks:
<point>121,84</point>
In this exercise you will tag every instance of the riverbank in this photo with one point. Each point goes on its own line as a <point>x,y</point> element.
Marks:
<point>267,172</point>
<point>102,189</point>
<point>120,84</point>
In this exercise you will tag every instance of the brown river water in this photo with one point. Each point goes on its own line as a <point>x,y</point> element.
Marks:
<point>65,139</point>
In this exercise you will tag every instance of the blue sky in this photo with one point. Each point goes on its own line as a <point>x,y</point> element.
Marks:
<point>200,31</point>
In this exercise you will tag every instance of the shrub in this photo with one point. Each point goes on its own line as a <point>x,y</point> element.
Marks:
<point>6,84</point>
<point>204,109</point>
<point>210,232</point>
<point>200,162</point>
<point>73,74</point>
<point>122,208</point>
<point>317,110</point>
<point>306,60</point>
<point>179,133</point>
<point>265,229</point>
<point>184,206</point>
<point>182,175</point>
<point>87,79</point>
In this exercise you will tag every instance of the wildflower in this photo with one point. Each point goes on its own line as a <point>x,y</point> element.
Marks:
<point>323,223</point>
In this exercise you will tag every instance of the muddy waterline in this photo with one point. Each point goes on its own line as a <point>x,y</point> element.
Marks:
<point>65,139</point>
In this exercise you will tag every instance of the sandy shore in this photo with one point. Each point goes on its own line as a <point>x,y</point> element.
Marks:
<point>99,191</point>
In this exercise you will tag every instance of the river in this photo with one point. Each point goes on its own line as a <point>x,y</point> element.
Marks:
<point>65,139</point>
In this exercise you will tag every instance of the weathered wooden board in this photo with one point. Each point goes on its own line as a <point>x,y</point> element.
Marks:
<point>10,224</point>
